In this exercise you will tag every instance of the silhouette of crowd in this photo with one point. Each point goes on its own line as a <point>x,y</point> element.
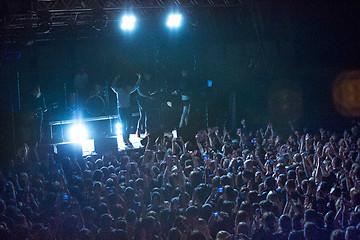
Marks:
<point>218,185</point>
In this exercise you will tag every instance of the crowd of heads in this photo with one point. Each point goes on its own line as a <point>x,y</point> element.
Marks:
<point>218,185</point>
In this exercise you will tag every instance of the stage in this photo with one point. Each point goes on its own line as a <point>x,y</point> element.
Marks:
<point>93,146</point>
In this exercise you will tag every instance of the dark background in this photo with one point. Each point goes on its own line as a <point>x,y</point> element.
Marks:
<point>277,59</point>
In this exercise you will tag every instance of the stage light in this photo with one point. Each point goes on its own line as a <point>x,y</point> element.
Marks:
<point>174,20</point>
<point>99,19</point>
<point>78,133</point>
<point>88,147</point>
<point>118,129</point>
<point>128,22</point>
<point>44,24</point>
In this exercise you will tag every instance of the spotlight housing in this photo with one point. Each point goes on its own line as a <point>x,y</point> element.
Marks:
<point>44,24</point>
<point>99,19</point>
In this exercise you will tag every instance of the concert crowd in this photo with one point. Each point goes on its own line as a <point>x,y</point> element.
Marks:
<point>220,185</point>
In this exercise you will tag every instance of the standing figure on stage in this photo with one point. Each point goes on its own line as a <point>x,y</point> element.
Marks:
<point>144,101</point>
<point>81,86</point>
<point>123,90</point>
<point>185,91</point>
<point>33,108</point>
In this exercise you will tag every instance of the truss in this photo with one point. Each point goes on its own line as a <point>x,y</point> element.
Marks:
<point>81,12</point>
<point>94,4</point>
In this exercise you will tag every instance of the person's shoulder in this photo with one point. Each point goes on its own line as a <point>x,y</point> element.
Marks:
<point>118,89</point>
<point>322,230</point>
<point>277,235</point>
<point>280,236</point>
<point>296,235</point>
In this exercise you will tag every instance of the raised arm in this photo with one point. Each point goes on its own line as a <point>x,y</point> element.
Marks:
<point>137,84</point>
<point>141,92</point>
<point>114,82</point>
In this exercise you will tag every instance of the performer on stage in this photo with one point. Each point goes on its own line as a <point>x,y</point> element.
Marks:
<point>81,86</point>
<point>33,108</point>
<point>144,101</point>
<point>185,91</point>
<point>123,91</point>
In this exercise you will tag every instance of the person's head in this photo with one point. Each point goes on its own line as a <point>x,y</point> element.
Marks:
<point>192,213</point>
<point>85,234</point>
<point>270,221</point>
<point>270,183</point>
<point>336,163</point>
<point>273,197</point>
<point>97,175</point>
<point>290,186</point>
<point>197,235</point>
<point>329,219</point>
<point>36,92</point>
<point>335,193</point>
<point>285,223</point>
<point>291,174</point>
<point>130,217</point>
<point>225,180</point>
<point>310,215</point>
<point>223,235</point>
<point>242,216</point>
<point>88,213</point>
<point>337,234</point>
<point>296,222</point>
<point>24,180</point>
<point>354,218</point>
<point>352,233</point>
<point>297,158</point>
<point>227,206</point>
<point>196,178</point>
<point>243,229</point>
<point>174,234</point>
<point>253,197</point>
<point>155,198</point>
<point>355,198</point>
<point>266,206</point>
<point>280,168</point>
<point>249,165</point>
<point>247,207</point>
<point>311,232</point>
<point>121,224</point>
<point>201,193</point>
<point>281,181</point>
<point>230,193</point>
<point>129,193</point>
<point>247,175</point>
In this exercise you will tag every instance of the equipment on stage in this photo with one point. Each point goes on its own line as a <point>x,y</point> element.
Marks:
<point>95,105</point>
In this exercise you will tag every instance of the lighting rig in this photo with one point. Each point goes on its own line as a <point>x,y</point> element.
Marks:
<point>84,12</point>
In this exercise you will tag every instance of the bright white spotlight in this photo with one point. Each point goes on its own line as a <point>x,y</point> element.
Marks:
<point>88,147</point>
<point>174,20</point>
<point>128,22</point>
<point>118,129</point>
<point>78,133</point>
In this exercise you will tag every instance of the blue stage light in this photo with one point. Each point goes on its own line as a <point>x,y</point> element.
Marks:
<point>78,133</point>
<point>118,129</point>
<point>174,20</point>
<point>128,22</point>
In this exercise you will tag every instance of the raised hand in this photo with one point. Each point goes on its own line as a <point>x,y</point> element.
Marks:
<point>243,122</point>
